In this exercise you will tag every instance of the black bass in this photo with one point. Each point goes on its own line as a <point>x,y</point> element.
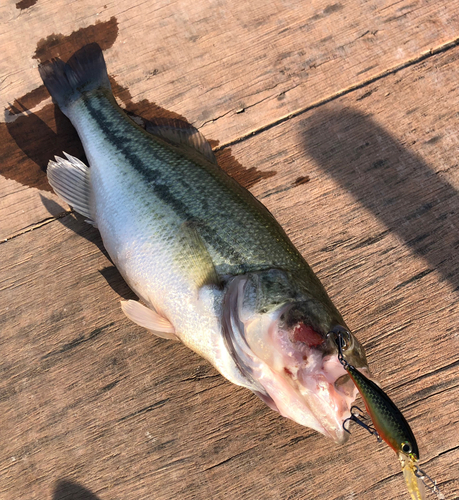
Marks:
<point>210,264</point>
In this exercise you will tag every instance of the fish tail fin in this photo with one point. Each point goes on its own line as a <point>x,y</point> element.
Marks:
<point>84,72</point>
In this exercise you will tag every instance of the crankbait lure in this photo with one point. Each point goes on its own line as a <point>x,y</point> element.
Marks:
<point>388,423</point>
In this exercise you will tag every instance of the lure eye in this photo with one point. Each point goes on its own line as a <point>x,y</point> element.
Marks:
<point>406,448</point>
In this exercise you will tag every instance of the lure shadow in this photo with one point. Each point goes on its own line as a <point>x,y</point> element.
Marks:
<point>396,185</point>
<point>69,490</point>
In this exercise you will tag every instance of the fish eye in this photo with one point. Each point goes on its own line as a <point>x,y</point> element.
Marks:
<point>406,447</point>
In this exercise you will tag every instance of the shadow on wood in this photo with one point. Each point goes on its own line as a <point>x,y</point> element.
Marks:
<point>68,490</point>
<point>396,185</point>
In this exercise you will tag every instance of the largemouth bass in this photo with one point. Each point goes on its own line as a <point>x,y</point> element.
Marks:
<point>210,264</point>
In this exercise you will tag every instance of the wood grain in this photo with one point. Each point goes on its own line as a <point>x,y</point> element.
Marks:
<point>228,67</point>
<point>266,58</point>
<point>93,407</point>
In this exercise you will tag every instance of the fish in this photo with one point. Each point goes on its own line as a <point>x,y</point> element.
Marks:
<point>389,424</point>
<point>209,263</point>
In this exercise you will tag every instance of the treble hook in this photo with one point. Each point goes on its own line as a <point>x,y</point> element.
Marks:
<point>433,486</point>
<point>339,333</point>
<point>367,388</point>
<point>355,413</point>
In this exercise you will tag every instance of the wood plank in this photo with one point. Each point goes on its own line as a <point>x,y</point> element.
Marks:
<point>206,50</point>
<point>86,396</point>
<point>228,67</point>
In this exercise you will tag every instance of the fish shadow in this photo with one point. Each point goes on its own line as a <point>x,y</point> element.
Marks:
<point>40,142</point>
<point>34,134</point>
<point>397,186</point>
<point>77,223</point>
<point>69,490</point>
<point>48,132</point>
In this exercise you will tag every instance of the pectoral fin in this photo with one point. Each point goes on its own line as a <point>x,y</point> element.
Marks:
<point>195,256</point>
<point>146,317</point>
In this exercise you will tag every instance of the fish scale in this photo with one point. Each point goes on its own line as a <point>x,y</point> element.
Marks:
<point>240,233</point>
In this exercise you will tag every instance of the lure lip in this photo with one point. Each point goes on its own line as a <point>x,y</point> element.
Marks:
<point>413,480</point>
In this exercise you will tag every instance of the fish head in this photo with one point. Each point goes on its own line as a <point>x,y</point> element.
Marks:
<point>286,351</point>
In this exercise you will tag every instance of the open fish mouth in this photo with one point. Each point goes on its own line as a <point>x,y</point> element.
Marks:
<point>289,368</point>
<point>317,394</point>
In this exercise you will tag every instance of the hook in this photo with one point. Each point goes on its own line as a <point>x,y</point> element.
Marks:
<point>433,487</point>
<point>355,413</point>
<point>339,334</point>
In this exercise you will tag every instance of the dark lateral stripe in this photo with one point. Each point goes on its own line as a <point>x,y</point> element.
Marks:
<point>126,146</point>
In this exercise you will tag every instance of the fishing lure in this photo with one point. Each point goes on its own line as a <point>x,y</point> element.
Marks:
<point>388,423</point>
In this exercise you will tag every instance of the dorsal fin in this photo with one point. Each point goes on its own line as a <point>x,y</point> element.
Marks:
<point>181,134</point>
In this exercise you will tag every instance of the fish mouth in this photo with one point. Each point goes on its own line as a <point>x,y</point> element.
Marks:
<point>305,386</point>
<point>318,397</point>
<point>320,400</point>
<point>289,366</point>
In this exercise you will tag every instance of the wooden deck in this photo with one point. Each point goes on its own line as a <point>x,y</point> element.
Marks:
<point>343,119</point>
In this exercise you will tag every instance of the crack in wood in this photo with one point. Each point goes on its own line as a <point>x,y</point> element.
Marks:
<point>428,396</point>
<point>142,411</point>
<point>340,93</point>
<point>110,386</point>
<point>450,450</point>
<point>228,459</point>
<point>429,374</point>
<point>197,377</point>
<point>37,225</point>
<point>78,341</point>
<point>414,278</point>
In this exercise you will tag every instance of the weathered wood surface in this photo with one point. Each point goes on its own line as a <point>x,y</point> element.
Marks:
<point>229,67</point>
<point>96,408</point>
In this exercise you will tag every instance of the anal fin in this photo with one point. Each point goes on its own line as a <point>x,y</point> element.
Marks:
<point>70,180</point>
<point>149,319</point>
